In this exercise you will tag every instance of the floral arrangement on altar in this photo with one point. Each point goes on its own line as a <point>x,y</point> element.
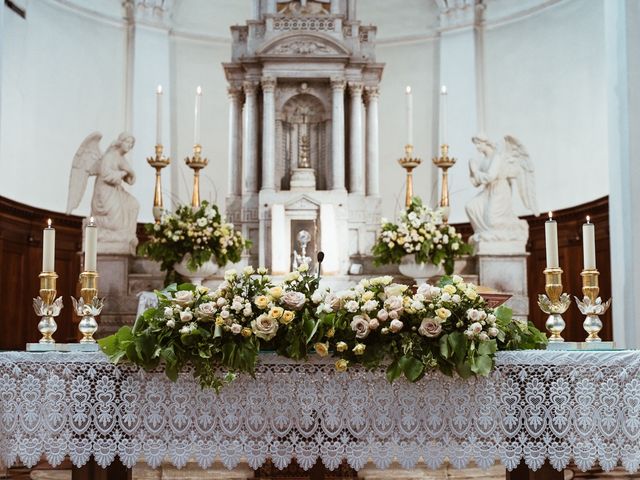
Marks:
<point>421,232</point>
<point>220,333</point>
<point>201,232</point>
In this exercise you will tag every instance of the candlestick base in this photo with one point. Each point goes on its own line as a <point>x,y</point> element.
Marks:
<point>592,305</point>
<point>47,307</point>
<point>196,163</point>
<point>444,162</point>
<point>554,304</point>
<point>158,162</point>
<point>88,306</point>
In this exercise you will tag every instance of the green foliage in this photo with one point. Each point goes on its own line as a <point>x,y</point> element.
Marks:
<point>420,232</point>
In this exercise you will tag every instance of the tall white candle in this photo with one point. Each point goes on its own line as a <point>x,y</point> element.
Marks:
<point>409,97</point>
<point>196,129</point>
<point>49,248</point>
<point>159,115</point>
<point>551,242</point>
<point>90,246</point>
<point>443,115</point>
<point>589,245</point>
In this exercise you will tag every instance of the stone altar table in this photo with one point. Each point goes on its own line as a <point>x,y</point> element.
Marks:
<point>537,407</point>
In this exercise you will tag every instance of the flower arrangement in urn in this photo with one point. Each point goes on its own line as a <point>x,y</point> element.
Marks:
<point>422,235</point>
<point>192,237</point>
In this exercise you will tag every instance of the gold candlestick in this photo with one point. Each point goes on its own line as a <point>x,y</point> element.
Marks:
<point>88,306</point>
<point>197,163</point>
<point>591,305</point>
<point>158,162</point>
<point>554,303</point>
<point>444,162</point>
<point>408,162</point>
<point>47,307</point>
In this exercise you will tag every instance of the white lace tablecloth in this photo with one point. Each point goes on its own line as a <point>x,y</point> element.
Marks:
<point>580,406</point>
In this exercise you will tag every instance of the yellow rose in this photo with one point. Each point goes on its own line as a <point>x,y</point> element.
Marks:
<point>219,321</point>
<point>342,365</point>
<point>246,332</point>
<point>341,346</point>
<point>368,295</point>
<point>450,289</point>
<point>359,348</point>
<point>471,294</point>
<point>276,312</point>
<point>261,302</point>
<point>443,313</point>
<point>322,349</point>
<point>275,292</point>
<point>287,317</point>
<point>331,332</point>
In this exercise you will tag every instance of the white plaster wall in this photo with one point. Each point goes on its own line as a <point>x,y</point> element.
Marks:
<point>546,85</point>
<point>62,78</point>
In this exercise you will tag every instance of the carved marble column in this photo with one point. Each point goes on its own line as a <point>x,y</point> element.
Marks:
<point>268,134</point>
<point>337,134</point>
<point>356,159</point>
<point>250,140</point>
<point>373,155</point>
<point>235,140</point>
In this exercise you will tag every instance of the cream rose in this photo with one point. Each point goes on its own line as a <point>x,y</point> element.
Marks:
<point>264,327</point>
<point>342,365</point>
<point>360,325</point>
<point>206,310</point>
<point>393,303</point>
<point>261,302</point>
<point>430,327</point>
<point>443,313</point>
<point>276,312</point>
<point>287,317</point>
<point>275,292</point>
<point>322,349</point>
<point>186,316</point>
<point>294,300</point>
<point>359,348</point>
<point>183,297</point>
<point>396,326</point>
<point>236,328</point>
<point>341,346</point>
<point>383,315</point>
<point>450,289</point>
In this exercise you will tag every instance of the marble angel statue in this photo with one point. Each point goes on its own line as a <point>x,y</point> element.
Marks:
<point>491,211</point>
<point>114,209</point>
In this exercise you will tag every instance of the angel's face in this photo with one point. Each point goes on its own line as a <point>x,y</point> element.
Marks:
<point>127,144</point>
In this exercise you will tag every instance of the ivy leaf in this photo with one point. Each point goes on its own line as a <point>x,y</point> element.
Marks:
<point>394,371</point>
<point>444,346</point>
<point>487,348</point>
<point>413,369</point>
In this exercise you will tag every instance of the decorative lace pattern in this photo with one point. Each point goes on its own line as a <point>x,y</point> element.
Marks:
<point>580,406</point>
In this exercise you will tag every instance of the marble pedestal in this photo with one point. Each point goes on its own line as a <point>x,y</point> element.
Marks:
<point>303,179</point>
<point>506,273</point>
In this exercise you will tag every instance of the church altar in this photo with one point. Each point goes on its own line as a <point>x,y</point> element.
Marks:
<point>536,406</point>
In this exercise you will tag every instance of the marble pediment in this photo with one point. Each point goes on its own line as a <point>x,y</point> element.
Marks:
<point>303,45</point>
<point>302,203</point>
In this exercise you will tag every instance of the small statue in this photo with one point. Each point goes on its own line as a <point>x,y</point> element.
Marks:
<point>114,210</point>
<point>303,239</point>
<point>303,7</point>
<point>491,211</point>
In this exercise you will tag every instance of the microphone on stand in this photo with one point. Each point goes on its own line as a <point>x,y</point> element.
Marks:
<point>320,259</point>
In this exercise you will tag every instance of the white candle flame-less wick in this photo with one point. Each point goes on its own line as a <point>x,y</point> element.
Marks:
<point>159,90</point>
<point>407,89</point>
<point>91,221</point>
<point>443,90</point>
<point>550,215</point>
<point>588,219</point>
<point>49,223</point>
<point>199,90</point>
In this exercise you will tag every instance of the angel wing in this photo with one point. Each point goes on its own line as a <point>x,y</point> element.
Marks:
<point>86,162</point>
<point>525,177</point>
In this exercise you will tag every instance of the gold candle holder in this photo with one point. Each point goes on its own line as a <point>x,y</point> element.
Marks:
<point>554,303</point>
<point>444,162</point>
<point>158,162</point>
<point>409,162</point>
<point>88,306</point>
<point>47,307</point>
<point>592,306</point>
<point>196,163</point>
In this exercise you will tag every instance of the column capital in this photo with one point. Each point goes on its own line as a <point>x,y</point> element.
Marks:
<point>250,87</point>
<point>268,84</point>
<point>338,84</point>
<point>234,91</point>
<point>371,92</point>
<point>355,88</point>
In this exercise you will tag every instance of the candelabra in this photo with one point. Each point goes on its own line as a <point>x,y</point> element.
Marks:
<point>88,306</point>
<point>158,162</point>
<point>444,162</point>
<point>197,163</point>
<point>409,162</point>
<point>554,303</point>
<point>47,307</point>
<point>592,306</point>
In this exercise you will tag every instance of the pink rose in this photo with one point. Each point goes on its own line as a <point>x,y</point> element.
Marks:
<point>360,325</point>
<point>430,327</point>
<point>294,300</point>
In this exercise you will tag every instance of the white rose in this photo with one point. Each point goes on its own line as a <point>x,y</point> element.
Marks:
<point>186,316</point>
<point>374,323</point>
<point>370,306</point>
<point>455,298</point>
<point>473,314</point>
<point>206,310</point>
<point>236,328</point>
<point>430,327</point>
<point>383,315</point>
<point>183,297</point>
<point>393,303</point>
<point>360,325</point>
<point>396,326</point>
<point>351,306</point>
<point>476,328</point>
<point>264,327</point>
<point>168,312</point>
<point>457,279</point>
<point>202,290</point>
<point>455,246</point>
<point>225,314</point>
<point>247,312</point>
<point>446,297</point>
<point>230,274</point>
<point>493,332</point>
<point>317,296</point>
<point>221,301</point>
<point>304,267</point>
<point>171,323</point>
<point>393,314</point>
<point>483,336</point>
<point>294,300</point>
<point>248,270</point>
<point>417,305</point>
<point>491,318</point>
